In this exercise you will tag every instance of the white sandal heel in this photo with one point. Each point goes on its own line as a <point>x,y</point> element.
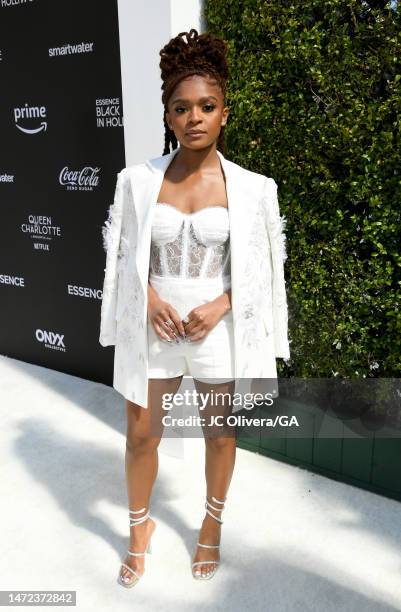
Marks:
<point>211,573</point>
<point>130,582</point>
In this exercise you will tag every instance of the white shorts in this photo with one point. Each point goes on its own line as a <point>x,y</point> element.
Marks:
<point>206,359</point>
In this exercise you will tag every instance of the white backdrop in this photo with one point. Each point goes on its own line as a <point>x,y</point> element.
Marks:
<point>145,27</point>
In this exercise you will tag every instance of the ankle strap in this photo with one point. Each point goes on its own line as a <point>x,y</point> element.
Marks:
<point>137,521</point>
<point>217,501</point>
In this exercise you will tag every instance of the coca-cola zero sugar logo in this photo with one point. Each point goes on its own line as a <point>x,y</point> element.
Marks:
<point>85,179</point>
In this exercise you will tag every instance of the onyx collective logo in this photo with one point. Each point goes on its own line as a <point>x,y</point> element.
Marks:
<point>50,339</point>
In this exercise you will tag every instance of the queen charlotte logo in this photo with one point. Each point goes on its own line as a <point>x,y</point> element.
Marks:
<point>42,231</point>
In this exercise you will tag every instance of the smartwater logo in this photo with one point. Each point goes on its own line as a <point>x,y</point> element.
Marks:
<point>50,339</point>
<point>6,178</point>
<point>68,49</point>
<point>85,179</point>
<point>30,113</point>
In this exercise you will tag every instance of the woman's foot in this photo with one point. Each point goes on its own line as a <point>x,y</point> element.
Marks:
<point>210,534</point>
<point>207,556</point>
<point>139,540</point>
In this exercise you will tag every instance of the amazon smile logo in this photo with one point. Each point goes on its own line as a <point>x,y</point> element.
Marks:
<point>36,113</point>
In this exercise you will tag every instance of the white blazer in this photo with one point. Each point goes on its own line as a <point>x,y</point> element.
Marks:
<point>258,293</point>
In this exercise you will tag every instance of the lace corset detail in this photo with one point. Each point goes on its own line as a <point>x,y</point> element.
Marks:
<point>190,245</point>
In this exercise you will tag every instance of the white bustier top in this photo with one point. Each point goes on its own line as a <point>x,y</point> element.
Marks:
<point>190,245</point>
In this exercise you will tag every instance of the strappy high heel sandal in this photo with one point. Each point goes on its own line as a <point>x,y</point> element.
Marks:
<point>211,573</point>
<point>126,581</point>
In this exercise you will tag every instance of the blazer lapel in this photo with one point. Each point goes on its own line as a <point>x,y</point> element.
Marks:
<point>145,191</point>
<point>242,207</point>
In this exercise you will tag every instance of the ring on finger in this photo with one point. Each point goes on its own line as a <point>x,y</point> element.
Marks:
<point>169,327</point>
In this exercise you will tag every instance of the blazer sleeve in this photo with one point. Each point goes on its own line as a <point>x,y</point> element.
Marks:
<point>275,227</point>
<point>111,234</point>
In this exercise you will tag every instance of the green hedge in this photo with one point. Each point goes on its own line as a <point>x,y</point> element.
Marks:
<point>314,100</point>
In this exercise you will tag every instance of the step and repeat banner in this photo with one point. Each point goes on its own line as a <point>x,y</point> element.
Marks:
<point>62,145</point>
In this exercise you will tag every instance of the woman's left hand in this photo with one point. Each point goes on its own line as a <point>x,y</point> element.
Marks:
<point>202,319</point>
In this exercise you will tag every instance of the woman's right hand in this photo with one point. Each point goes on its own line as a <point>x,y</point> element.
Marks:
<point>160,311</point>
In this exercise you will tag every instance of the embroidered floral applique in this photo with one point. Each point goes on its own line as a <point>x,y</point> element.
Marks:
<point>254,282</point>
<point>125,334</point>
<point>134,301</point>
<point>276,225</point>
<point>111,232</point>
<point>110,228</point>
<point>122,254</point>
<point>263,272</point>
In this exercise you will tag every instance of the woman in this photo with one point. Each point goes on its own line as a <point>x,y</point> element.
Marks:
<point>183,231</point>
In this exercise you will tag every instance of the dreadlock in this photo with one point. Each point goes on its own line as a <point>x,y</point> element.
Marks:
<point>204,55</point>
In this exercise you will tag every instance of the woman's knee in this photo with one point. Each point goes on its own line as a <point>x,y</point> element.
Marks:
<point>142,443</point>
<point>220,443</point>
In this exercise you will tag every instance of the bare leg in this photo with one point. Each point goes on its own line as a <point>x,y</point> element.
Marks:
<point>220,453</point>
<point>144,432</point>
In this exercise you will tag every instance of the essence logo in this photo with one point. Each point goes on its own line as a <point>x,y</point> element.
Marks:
<point>86,292</point>
<point>15,281</point>
<point>30,112</point>
<point>50,339</point>
<point>108,112</point>
<point>85,179</point>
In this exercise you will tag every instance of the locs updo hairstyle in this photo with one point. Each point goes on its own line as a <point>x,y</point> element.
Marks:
<point>203,54</point>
